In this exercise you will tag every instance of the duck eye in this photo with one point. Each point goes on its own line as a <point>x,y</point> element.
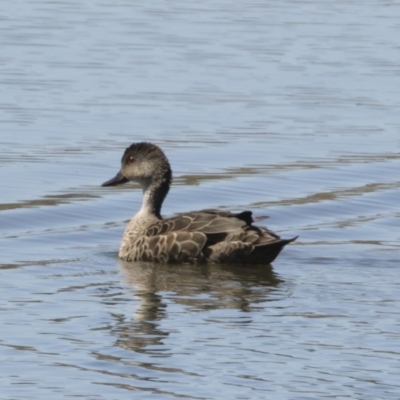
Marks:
<point>131,160</point>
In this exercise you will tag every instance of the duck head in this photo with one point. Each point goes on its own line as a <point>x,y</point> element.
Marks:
<point>144,163</point>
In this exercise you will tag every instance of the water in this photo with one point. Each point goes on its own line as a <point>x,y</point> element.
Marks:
<point>288,109</point>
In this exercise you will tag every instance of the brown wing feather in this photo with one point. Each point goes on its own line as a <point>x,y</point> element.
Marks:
<point>217,236</point>
<point>208,222</point>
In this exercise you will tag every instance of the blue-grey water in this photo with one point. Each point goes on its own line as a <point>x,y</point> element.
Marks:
<point>290,109</point>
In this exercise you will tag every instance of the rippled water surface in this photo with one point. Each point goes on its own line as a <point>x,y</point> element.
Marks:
<point>290,109</point>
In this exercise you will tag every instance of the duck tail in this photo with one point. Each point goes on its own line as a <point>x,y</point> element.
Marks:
<point>267,252</point>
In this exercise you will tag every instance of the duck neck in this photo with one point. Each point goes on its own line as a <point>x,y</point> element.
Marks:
<point>153,196</point>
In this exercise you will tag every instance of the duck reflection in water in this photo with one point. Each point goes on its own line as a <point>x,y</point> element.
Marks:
<point>161,288</point>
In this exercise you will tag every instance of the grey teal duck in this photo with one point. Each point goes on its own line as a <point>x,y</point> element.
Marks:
<point>203,236</point>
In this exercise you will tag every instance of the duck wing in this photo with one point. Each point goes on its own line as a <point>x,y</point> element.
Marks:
<point>213,235</point>
<point>206,221</point>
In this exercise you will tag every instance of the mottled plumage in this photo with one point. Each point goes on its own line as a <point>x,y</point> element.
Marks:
<point>203,236</point>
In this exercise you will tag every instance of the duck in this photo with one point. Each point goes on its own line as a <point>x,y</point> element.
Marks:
<point>206,236</point>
